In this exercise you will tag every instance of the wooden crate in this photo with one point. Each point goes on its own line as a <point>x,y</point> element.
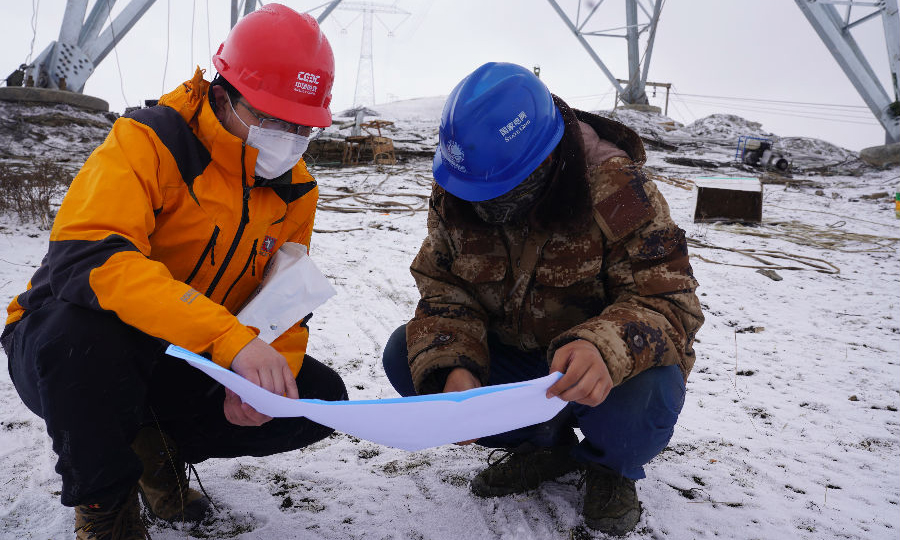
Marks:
<point>728,199</point>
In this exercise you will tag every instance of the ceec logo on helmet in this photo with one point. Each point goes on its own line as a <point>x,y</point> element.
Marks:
<point>306,83</point>
<point>455,155</point>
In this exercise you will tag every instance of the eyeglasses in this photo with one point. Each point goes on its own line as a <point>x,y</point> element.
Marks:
<point>268,122</point>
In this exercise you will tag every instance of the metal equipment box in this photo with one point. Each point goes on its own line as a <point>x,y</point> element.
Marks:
<point>728,199</point>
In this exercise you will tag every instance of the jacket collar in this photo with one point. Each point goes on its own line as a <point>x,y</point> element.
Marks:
<point>191,100</point>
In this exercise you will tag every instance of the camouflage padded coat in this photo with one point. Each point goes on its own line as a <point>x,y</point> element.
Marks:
<point>598,258</point>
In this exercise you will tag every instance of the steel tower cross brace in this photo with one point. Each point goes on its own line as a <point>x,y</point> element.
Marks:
<point>67,62</point>
<point>633,92</point>
<point>835,33</point>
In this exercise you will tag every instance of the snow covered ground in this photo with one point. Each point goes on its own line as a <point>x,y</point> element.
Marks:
<point>790,429</point>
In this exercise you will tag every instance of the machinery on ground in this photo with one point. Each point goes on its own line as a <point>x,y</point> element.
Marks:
<point>760,152</point>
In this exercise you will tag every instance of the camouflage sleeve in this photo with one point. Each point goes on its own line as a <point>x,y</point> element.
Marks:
<point>448,329</point>
<point>653,313</point>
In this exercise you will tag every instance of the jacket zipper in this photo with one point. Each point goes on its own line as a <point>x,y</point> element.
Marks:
<point>210,249</point>
<point>245,219</point>
<point>250,260</point>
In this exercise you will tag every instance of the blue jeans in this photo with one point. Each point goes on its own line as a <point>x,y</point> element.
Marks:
<point>623,433</point>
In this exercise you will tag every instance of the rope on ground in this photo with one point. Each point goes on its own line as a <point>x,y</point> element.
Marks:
<point>348,200</point>
<point>830,214</point>
<point>337,230</point>
<point>682,183</point>
<point>830,237</point>
<point>371,201</point>
<point>762,256</point>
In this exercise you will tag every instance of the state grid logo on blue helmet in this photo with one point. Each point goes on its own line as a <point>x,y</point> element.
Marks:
<point>455,156</point>
<point>498,124</point>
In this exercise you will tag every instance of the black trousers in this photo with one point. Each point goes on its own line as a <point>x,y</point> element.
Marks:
<point>96,381</point>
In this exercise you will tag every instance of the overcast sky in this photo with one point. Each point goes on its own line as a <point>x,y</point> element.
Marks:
<point>707,49</point>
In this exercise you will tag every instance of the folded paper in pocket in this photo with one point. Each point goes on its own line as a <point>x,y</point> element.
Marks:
<point>291,289</point>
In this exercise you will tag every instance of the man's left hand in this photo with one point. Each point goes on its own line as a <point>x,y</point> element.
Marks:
<point>241,414</point>
<point>585,377</point>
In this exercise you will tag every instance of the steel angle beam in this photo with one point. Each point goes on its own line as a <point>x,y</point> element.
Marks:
<point>835,34</point>
<point>73,19</point>
<point>324,15</point>
<point>633,92</point>
<point>97,49</point>
<point>249,6</point>
<point>891,21</point>
<point>98,16</point>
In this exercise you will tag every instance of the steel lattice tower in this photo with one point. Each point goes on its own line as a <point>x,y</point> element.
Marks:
<point>365,72</point>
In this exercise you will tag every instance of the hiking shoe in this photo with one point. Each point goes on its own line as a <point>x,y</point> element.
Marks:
<point>116,519</point>
<point>518,471</point>
<point>164,483</point>
<point>611,504</point>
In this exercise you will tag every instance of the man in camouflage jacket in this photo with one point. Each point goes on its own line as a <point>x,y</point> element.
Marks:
<point>591,279</point>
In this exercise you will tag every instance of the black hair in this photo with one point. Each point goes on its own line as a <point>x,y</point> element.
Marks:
<point>232,92</point>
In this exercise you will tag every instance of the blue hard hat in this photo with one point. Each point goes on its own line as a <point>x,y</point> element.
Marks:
<point>498,125</point>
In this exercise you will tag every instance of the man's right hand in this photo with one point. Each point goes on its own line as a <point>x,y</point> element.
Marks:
<point>459,380</point>
<point>262,365</point>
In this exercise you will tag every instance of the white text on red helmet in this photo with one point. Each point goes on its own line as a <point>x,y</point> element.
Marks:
<point>308,77</point>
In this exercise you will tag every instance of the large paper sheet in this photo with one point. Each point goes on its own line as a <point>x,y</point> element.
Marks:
<point>411,423</point>
<point>291,289</point>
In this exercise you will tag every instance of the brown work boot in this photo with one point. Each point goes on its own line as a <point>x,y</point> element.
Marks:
<point>116,519</point>
<point>518,471</point>
<point>611,504</point>
<point>164,483</point>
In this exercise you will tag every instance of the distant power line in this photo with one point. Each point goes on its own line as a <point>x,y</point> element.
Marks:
<point>829,112</point>
<point>806,103</point>
<point>786,112</point>
<point>829,116</point>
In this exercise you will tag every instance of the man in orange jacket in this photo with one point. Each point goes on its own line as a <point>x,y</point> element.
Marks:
<point>163,235</point>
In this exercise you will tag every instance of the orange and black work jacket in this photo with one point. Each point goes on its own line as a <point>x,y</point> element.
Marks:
<point>166,227</point>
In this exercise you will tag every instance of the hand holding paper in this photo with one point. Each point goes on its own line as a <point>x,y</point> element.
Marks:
<point>586,380</point>
<point>262,365</point>
<point>460,380</point>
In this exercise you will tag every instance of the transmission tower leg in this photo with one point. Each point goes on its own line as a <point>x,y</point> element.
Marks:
<point>827,23</point>
<point>891,19</point>
<point>634,92</point>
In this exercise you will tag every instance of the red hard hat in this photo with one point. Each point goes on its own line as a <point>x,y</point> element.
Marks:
<point>281,62</point>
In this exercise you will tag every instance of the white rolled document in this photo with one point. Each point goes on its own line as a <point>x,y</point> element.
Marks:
<point>291,289</point>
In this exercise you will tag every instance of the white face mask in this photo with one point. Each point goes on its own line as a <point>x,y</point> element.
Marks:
<point>279,151</point>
